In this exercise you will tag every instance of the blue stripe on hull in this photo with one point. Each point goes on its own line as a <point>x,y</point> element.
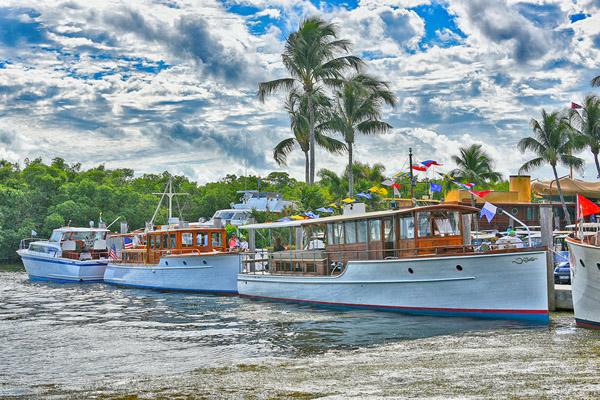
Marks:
<point>532,318</point>
<point>165,289</point>
<point>60,280</point>
<point>49,260</point>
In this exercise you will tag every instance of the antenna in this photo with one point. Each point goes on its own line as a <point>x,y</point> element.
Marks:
<point>170,194</point>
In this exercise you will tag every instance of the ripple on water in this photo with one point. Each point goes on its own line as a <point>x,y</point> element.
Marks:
<point>58,338</point>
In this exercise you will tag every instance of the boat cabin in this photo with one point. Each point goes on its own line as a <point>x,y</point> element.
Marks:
<point>323,246</point>
<point>182,241</point>
<point>73,243</point>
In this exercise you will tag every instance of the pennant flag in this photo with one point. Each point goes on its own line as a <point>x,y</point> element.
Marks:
<point>488,211</point>
<point>396,185</point>
<point>382,192</point>
<point>429,163</point>
<point>364,195</point>
<point>297,217</point>
<point>284,219</point>
<point>586,207</point>
<point>481,194</point>
<point>402,175</point>
<point>348,200</point>
<point>396,192</point>
<point>311,215</point>
<point>575,106</point>
<point>333,205</point>
<point>419,168</point>
<point>435,187</point>
<point>468,185</point>
<point>324,210</point>
<point>388,182</point>
<point>33,233</point>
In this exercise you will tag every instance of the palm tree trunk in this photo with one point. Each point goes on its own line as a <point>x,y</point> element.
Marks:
<point>350,172</point>
<point>597,164</point>
<point>306,167</point>
<point>311,139</point>
<point>562,199</point>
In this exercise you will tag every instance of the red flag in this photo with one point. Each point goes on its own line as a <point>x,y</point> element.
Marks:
<point>419,168</point>
<point>586,207</point>
<point>396,185</point>
<point>575,106</point>
<point>481,193</point>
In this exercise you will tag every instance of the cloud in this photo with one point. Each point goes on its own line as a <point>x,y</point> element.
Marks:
<point>18,26</point>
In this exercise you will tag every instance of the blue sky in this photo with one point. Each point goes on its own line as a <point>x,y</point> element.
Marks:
<point>171,84</point>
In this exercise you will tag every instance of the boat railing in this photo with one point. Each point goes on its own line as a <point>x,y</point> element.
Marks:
<point>322,262</point>
<point>24,243</point>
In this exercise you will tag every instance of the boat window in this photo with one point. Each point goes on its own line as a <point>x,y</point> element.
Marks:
<point>330,235</point>
<point>407,227</point>
<point>338,233</point>
<point>216,239</point>
<point>56,236</point>
<point>202,239</point>
<point>165,239</point>
<point>374,230</point>
<point>361,231</point>
<point>173,241</point>
<point>225,214</point>
<point>445,223</point>
<point>100,235</point>
<point>350,232</point>
<point>388,229</point>
<point>424,221</point>
<point>187,239</point>
<point>151,241</point>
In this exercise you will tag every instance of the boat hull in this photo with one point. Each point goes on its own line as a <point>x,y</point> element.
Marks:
<point>499,286</point>
<point>48,268</point>
<point>585,284</point>
<point>194,273</point>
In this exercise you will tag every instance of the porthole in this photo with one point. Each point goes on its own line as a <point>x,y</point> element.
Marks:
<point>410,271</point>
<point>166,263</point>
<point>598,265</point>
<point>204,262</point>
<point>582,263</point>
<point>459,267</point>
<point>185,263</point>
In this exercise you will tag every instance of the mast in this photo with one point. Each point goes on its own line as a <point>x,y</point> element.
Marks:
<point>168,192</point>
<point>410,170</point>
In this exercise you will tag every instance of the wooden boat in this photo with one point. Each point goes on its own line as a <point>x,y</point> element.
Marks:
<point>70,255</point>
<point>585,280</point>
<point>183,259</point>
<point>416,260</point>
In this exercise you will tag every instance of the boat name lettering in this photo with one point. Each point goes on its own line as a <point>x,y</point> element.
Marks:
<point>524,260</point>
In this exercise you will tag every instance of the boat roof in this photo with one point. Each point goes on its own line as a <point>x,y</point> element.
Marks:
<point>79,229</point>
<point>368,215</point>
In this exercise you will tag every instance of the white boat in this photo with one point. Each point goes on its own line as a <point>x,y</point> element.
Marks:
<point>175,257</point>
<point>385,261</point>
<point>181,259</point>
<point>70,255</point>
<point>585,281</point>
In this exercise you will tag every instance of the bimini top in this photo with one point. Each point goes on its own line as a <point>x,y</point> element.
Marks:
<point>368,215</point>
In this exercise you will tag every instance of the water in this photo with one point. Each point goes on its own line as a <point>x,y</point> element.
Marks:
<point>99,341</point>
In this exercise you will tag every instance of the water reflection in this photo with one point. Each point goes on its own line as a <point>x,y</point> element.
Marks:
<point>77,333</point>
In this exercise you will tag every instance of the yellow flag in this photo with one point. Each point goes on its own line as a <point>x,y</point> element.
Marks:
<point>297,217</point>
<point>348,200</point>
<point>382,191</point>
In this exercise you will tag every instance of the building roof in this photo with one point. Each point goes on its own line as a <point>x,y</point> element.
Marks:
<point>374,214</point>
<point>569,186</point>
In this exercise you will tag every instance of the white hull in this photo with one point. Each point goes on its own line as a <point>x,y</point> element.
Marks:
<point>195,273</point>
<point>506,286</point>
<point>46,267</point>
<point>585,284</point>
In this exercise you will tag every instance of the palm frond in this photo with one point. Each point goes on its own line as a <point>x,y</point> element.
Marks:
<point>596,81</point>
<point>282,150</point>
<point>267,88</point>
<point>531,165</point>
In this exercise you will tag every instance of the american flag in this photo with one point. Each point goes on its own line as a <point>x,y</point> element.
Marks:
<point>127,243</point>
<point>112,254</point>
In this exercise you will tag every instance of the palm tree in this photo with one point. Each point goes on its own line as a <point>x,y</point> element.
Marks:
<point>297,107</point>
<point>596,81</point>
<point>474,165</point>
<point>312,56</point>
<point>587,125</point>
<point>358,110</point>
<point>332,181</point>
<point>552,143</point>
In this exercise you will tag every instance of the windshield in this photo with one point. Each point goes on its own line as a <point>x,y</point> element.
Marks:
<point>224,214</point>
<point>56,236</point>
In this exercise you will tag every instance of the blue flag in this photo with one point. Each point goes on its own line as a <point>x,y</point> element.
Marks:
<point>364,195</point>
<point>435,187</point>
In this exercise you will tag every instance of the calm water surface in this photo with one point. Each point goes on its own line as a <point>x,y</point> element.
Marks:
<point>99,341</point>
